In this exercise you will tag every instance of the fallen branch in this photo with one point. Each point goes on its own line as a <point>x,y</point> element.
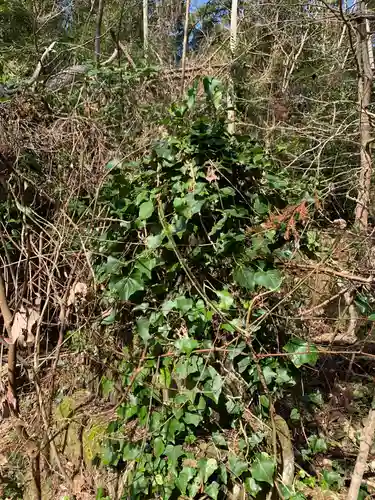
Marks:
<point>285,439</point>
<point>39,66</point>
<point>127,55</point>
<point>325,302</point>
<point>364,449</point>
<point>12,348</point>
<point>111,58</point>
<point>341,274</point>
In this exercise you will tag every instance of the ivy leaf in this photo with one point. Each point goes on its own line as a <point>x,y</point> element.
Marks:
<point>168,306</point>
<point>159,447</point>
<point>107,456</point>
<point>192,418</point>
<point>295,415</point>
<point>186,345</point>
<point>252,486</point>
<point>145,266</point>
<point>268,374</point>
<point>164,150</point>
<point>143,326</point>
<point>268,279</point>
<point>218,439</point>
<point>259,207</point>
<point>110,319</point>
<point>226,300</point>
<point>317,444</point>
<point>192,95</point>
<point>212,490</point>
<point>213,91</point>
<point>131,452</point>
<point>126,287</point>
<point>207,468</point>
<point>245,277</point>
<point>184,477</point>
<point>107,386</point>
<point>264,401</point>
<point>263,468</point>
<point>171,427</point>
<point>283,377</point>
<point>237,466</point>
<point>214,384</point>
<point>154,241</point>
<point>244,363</point>
<point>146,209</point>
<point>184,304</point>
<point>165,377</point>
<point>174,453</point>
<point>303,352</point>
<point>113,266</point>
<point>223,473</point>
<point>181,368</point>
<point>194,487</point>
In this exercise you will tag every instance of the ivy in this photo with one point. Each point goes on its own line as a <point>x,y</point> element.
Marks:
<point>190,250</point>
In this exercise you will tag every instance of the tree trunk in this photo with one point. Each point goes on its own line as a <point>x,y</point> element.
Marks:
<point>185,45</point>
<point>12,349</point>
<point>145,28</point>
<point>365,80</point>
<point>233,46</point>
<point>98,32</point>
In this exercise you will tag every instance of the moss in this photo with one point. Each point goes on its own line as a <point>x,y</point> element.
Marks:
<point>92,440</point>
<point>65,408</point>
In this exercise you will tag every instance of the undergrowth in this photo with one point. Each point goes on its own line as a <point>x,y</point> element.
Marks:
<point>190,258</point>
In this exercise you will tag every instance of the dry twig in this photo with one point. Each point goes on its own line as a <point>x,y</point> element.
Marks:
<point>364,449</point>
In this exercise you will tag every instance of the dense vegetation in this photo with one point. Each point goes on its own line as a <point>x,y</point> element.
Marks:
<point>186,286</point>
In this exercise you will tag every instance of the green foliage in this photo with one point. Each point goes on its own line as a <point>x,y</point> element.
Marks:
<point>184,254</point>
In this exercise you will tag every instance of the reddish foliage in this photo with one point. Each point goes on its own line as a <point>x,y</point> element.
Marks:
<point>290,215</point>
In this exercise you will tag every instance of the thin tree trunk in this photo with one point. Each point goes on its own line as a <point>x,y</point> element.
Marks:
<point>364,449</point>
<point>145,28</point>
<point>12,348</point>
<point>365,81</point>
<point>233,46</point>
<point>98,32</point>
<point>185,45</point>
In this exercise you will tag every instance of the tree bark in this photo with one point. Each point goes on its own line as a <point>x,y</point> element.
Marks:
<point>185,45</point>
<point>233,46</point>
<point>145,28</point>
<point>365,81</point>
<point>364,449</point>
<point>98,32</point>
<point>12,348</point>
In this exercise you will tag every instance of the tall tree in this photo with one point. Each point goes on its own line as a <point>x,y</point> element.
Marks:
<point>233,46</point>
<point>145,28</point>
<point>365,63</point>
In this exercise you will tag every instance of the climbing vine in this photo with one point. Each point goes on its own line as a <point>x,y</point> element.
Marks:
<point>192,258</point>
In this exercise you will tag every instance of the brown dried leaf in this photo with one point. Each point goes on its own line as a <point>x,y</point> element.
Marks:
<point>19,325</point>
<point>12,401</point>
<point>23,323</point>
<point>211,174</point>
<point>78,289</point>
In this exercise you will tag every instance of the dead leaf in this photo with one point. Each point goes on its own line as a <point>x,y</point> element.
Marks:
<point>107,313</point>
<point>12,401</point>
<point>19,325</point>
<point>22,325</point>
<point>211,174</point>
<point>78,289</point>
<point>340,223</point>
